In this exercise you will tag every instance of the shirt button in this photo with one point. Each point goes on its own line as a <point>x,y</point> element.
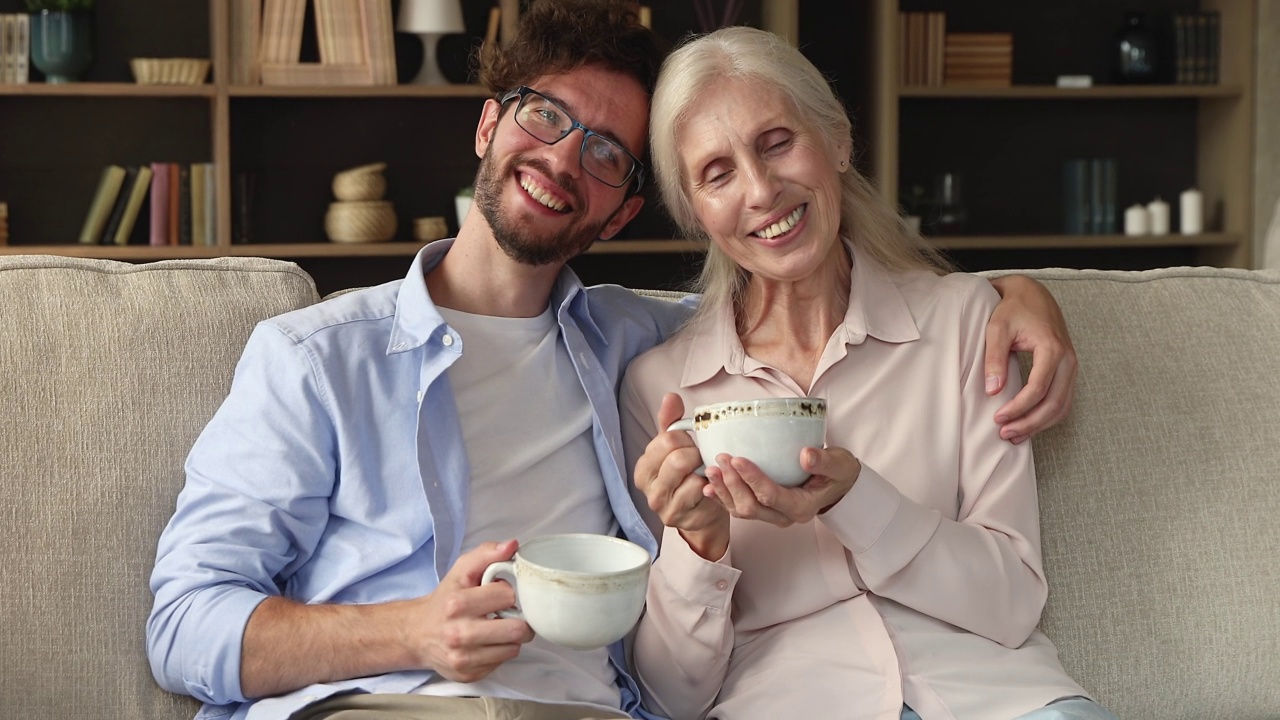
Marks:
<point>447,340</point>
<point>721,585</point>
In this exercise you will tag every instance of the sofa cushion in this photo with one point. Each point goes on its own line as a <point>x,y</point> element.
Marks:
<point>109,371</point>
<point>1160,493</point>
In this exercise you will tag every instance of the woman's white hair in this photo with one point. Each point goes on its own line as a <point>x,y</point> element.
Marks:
<point>757,56</point>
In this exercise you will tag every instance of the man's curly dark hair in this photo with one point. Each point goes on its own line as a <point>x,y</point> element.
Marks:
<point>556,36</point>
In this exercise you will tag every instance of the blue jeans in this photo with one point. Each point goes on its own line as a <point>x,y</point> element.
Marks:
<point>1076,708</point>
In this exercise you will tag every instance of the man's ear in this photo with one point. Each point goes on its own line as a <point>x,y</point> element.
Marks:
<point>488,126</point>
<point>623,216</point>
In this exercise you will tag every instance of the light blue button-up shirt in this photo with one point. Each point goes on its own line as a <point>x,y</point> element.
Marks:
<point>335,472</point>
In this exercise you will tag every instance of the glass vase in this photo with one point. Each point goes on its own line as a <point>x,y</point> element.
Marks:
<point>61,44</point>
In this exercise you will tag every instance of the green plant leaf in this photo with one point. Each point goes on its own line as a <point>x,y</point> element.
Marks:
<point>59,5</point>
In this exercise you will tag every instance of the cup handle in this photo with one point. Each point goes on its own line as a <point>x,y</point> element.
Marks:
<point>504,570</point>
<point>686,424</point>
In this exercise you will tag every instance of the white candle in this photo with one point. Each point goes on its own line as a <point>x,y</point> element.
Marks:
<point>1191,212</point>
<point>1135,220</point>
<point>1158,212</point>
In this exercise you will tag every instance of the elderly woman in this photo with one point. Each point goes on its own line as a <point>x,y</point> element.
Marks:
<point>903,579</point>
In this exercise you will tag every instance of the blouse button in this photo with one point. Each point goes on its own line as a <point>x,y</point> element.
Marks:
<point>721,584</point>
<point>447,340</point>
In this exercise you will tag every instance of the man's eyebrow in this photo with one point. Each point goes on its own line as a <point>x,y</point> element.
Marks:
<point>607,132</point>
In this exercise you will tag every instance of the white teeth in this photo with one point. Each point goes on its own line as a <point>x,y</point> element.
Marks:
<point>783,225</point>
<point>537,192</point>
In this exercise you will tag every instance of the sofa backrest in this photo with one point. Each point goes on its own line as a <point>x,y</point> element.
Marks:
<point>1160,493</point>
<point>108,371</point>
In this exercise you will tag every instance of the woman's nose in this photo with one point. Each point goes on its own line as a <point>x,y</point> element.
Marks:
<point>762,186</point>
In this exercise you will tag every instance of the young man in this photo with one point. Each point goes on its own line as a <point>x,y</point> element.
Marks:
<point>377,451</point>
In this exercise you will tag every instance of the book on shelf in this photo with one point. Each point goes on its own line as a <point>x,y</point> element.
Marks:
<point>246,34</point>
<point>159,232</point>
<point>184,204</point>
<point>103,202</point>
<point>197,204</point>
<point>979,59</point>
<point>137,194</point>
<point>15,48</point>
<point>921,48</point>
<point>1197,47</point>
<point>210,203</point>
<point>4,223</point>
<point>175,203</point>
<point>380,40</point>
<point>282,25</point>
<point>117,209</point>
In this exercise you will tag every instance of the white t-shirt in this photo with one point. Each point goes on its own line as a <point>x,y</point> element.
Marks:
<point>526,423</point>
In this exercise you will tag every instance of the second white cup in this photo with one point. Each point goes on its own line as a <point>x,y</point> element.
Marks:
<point>769,432</point>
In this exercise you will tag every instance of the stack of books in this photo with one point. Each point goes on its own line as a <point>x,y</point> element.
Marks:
<point>15,48</point>
<point>921,37</point>
<point>180,201</point>
<point>979,59</point>
<point>356,41</point>
<point>1197,43</point>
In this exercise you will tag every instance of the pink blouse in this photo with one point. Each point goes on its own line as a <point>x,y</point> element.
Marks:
<point>923,585</point>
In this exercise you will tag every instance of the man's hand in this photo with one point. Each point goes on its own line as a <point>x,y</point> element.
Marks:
<point>288,644</point>
<point>1027,319</point>
<point>739,485</point>
<point>666,474</point>
<point>459,639</point>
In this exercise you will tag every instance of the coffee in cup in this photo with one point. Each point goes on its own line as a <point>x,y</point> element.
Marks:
<point>579,590</point>
<point>769,432</point>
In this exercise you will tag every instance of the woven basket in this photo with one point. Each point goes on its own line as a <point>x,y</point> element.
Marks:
<point>360,183</point>
<point>360,222</point>
<point>169,71</point>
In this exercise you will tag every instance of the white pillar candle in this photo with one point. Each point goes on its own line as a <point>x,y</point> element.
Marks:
<point>1191,212</point>
<point>1135,220</point>
<point>1158,214</point>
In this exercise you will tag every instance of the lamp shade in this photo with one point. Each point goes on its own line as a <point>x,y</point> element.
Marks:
<point>430,16</point>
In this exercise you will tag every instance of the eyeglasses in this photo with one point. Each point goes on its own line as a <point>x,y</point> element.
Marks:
<point>604,159</point>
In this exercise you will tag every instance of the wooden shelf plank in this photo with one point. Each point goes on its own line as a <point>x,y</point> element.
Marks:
<point>340,91</point>
<point>309,250</point>
<point>1099,92</point>
<point>89,89</point>
<point>1068,242</point>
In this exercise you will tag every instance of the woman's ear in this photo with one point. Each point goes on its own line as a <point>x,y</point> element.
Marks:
<point>842,156</point>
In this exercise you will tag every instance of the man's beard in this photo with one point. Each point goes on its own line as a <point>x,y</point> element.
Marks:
<point>519,245</point>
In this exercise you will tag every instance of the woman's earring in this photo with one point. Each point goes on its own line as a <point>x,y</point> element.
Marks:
<point>844,164</point>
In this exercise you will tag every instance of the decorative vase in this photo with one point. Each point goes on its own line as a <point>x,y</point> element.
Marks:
<point>950,214</point>
<point>1136,50</point>
<point>61,44</point>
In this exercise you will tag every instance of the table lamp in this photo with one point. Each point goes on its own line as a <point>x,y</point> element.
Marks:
<point>429,19</point>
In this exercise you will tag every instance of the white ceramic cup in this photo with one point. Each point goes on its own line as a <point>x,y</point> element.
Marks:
<point>769,432</point>
<point>579,590</point>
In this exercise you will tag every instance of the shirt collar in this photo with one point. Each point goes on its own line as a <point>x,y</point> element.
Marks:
<point>417,318</point>
<point>876,309</point>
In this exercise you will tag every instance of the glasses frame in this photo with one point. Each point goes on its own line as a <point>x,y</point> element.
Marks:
<point>637,172</point>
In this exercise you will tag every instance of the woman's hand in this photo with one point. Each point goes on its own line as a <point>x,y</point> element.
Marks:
<point>746,492</point>
<point>666,475</point>
<point>1029,319</point>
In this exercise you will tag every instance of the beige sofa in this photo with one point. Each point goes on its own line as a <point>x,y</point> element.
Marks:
<point>1160,494</point>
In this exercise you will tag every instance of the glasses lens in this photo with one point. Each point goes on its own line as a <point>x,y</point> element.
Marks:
<point>605,159</point>
<point>541,119</point>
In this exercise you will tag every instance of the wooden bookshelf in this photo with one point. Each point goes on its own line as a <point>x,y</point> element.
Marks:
<point>57,138</point>
<point>1008,143</point>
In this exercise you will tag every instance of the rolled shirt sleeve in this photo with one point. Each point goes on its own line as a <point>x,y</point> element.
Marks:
<point>254,505</point>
